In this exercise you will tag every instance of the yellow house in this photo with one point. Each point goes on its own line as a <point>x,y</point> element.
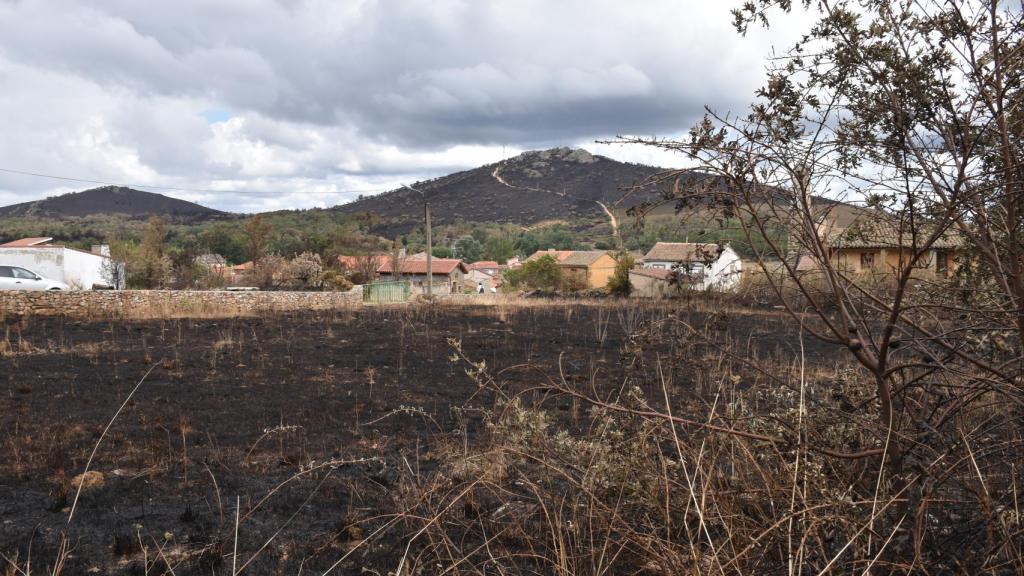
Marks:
<point>588,268</point>
<point>880,245</point>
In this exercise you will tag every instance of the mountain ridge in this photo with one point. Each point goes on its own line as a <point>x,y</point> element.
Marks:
<point>113,200</point>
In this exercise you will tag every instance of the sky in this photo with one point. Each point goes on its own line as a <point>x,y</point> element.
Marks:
<point>256,105</point>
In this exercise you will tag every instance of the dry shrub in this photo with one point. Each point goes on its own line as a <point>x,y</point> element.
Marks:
<point>764,466</point>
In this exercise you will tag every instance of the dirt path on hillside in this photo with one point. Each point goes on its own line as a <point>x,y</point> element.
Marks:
<point>496,174</point>
<point>613,220</point>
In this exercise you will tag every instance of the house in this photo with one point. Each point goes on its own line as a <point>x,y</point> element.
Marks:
<point>588,268</point>
<point>362,269</point>
<point>651,283</point>
<point>80,269</point>
<point>474,278</point>
<point>558,255</point>
<point>881,245</point>
<point>214,264</point>
<point>448,273</point>
<point>489,267</point>
<point>351,263</point>
<point>240,271</point>
<point>706,266</point>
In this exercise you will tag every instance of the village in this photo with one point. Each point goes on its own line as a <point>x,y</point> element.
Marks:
<point>868,245</point>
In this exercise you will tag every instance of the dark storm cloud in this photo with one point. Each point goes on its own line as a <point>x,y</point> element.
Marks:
<point>369,88</point>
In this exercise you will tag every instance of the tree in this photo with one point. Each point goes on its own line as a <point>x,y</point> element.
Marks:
<point>149,266</point>
<point>619,282</point>
<point>543,273</point>
<point>912,108</point>
<point>442,252</point>
<point>499,248</point>
<point>468,249</point>
<point>257,237</point>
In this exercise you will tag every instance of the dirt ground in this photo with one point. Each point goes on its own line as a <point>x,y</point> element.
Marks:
<point>299,425</point>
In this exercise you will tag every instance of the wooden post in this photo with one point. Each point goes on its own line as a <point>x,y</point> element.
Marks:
<point>430,267</point>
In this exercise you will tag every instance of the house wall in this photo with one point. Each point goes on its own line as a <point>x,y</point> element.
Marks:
<point>889,260</point>
<point>648,287</point>
<point>476,276</point>
<point>725,272</point>
<point>601,272</point>
<point>73,267</point>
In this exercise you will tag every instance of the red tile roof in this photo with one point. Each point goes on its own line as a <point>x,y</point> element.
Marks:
<point>439,266</point>
<point>353,261</point>
<point>26,242</point>
<point>558,255</point>
<point>484,265</point>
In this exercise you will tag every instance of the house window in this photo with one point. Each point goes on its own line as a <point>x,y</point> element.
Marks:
<point>867,260</point>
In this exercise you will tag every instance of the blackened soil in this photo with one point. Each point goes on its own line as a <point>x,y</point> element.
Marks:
<point>301,425</point>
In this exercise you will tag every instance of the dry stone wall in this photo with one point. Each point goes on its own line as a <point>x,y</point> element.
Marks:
<point>168,303</point>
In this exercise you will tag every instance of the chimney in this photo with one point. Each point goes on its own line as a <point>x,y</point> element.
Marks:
<point>401,252</point>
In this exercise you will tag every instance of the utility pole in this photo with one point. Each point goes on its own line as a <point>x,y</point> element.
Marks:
<point>430,248</point>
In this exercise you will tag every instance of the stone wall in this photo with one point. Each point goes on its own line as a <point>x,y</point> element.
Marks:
<point>168,303</point>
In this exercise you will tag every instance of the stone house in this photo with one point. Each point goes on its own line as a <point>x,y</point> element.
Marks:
<point>881,245</point>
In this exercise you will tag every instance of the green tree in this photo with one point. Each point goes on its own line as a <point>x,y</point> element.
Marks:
<point>469,249</point>
<point>499,248</point>
<point>619,282</point>
<point>544,273</point>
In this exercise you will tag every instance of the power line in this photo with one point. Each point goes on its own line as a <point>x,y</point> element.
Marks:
<point>201,190</point>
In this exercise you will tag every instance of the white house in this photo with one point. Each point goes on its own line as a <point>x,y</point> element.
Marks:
<point>77,268</point>
<point>705,266</point>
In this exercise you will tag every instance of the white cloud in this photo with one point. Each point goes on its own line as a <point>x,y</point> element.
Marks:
<point>313,100</point>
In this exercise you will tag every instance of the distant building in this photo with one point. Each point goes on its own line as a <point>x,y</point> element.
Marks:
<point>651,283</point>
<point>489,267</point>
<point>79,269</point>
<point>474,278</point>
<point>448,273</point>
<point>881,245</point>
<point>702,266</point>
<point>558,255</point>
<point>588,268</point>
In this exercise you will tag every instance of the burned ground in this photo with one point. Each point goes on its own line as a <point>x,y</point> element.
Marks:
<point>311,423</point>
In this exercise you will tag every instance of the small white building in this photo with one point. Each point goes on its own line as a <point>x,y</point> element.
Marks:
<point>79,269</point>
<point>705,266</point>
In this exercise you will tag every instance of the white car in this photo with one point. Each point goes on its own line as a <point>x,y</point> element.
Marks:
<point>17,278</point>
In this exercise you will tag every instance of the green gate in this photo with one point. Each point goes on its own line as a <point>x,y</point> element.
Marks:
<point>386,292</point>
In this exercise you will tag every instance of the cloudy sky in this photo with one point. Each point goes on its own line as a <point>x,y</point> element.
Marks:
<point>253,105</point>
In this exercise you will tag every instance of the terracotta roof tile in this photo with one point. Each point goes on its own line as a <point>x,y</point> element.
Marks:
<point>26,242</point>
<point>582,257</point>
<point>558,255</point>
<point>439,266</point>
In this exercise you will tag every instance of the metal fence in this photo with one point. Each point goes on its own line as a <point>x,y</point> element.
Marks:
<point>386,292</point>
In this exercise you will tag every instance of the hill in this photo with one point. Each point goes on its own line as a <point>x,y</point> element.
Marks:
<point>113,200</point>
<point>559,184</point>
